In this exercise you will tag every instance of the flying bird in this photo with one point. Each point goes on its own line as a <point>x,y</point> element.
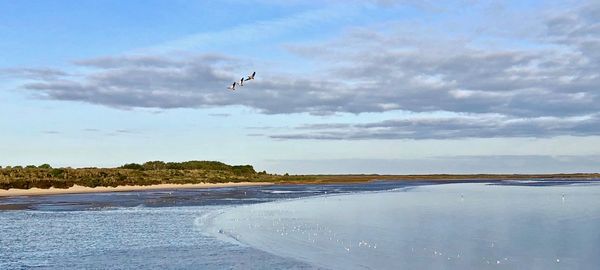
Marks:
<point>251,77</point>
<point>242,80</point>
<point>232,87</point>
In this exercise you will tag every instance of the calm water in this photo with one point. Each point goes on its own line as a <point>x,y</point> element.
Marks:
<point>384,225</point>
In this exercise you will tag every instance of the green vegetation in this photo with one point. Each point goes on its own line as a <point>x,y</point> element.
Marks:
<point>149,173</point>
<point>192,172</point>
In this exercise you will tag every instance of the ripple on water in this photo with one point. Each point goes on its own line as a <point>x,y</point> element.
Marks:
<point>123,238</point>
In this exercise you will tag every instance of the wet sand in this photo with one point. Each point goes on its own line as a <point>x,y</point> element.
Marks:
<point>186,197</point>
<point>81,189</point>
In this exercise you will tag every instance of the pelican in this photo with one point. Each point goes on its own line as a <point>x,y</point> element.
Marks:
<point>242,81</point>
<point>232,87</point>
<point>251,77</point>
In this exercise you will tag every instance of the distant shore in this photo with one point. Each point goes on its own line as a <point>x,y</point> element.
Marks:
<point>298,180</point>
<point>81,189</point>
<point>45,179</point>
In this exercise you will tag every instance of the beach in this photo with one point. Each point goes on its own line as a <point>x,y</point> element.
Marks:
<point>81,189</point>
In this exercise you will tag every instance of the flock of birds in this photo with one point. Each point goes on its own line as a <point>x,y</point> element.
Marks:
<point>242,80</point>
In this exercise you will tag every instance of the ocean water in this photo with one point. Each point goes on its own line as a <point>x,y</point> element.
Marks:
<point>143,238</point>
<point>141,230</point>
<point>509,225</point>
<point>381,225</point>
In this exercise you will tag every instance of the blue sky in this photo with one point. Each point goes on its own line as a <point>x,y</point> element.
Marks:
<point>342,86</point>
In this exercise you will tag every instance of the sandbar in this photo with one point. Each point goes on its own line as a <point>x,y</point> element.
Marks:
<point>82,189</point>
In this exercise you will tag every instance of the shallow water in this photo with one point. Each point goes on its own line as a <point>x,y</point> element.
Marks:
<point>510,225</point>
<point>380,225</point>
<point>143,230</point>
<point>143,238</point>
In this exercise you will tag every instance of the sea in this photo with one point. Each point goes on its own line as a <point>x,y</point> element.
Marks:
<point>474,224</point>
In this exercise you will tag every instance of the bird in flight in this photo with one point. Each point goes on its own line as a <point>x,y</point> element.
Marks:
<point>251,77</point>
<point>242,80</point>
<point>232,87</point>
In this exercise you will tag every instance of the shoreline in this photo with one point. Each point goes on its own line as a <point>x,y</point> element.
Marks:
<point>76,189</point>
<point>320,180</point>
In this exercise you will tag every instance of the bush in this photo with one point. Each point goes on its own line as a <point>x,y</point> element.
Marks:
<point>57,173</point>
<point>22,184</point>
<point>62,184</point>
<point>174,166</point>
<point>155,165</point>
<point>91,182</point>
<point>44,184</point>
<point>133,166</point>
<point>243,170</point>
<point>45,166</point>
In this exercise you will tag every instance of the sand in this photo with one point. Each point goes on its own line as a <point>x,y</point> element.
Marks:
<point>81,189</point>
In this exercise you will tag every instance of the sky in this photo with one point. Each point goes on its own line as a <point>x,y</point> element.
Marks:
<point>372,86</point>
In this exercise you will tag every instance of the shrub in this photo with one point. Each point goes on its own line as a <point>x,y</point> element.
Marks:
<point>243,170</point>
<point>57,173</point>
<point>133,166</point>
<point>45,166</point>
<point>155,165</point>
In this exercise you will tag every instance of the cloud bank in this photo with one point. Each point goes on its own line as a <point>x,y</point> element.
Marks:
<point>489,126</point>
<point>549,88</point>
